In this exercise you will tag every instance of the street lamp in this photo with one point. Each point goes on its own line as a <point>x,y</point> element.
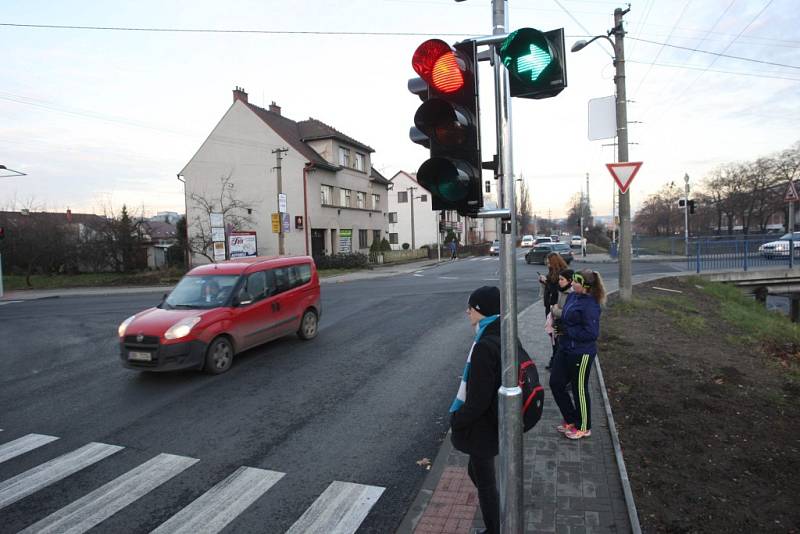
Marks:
<point>625,285</point>
<point>12,171</point>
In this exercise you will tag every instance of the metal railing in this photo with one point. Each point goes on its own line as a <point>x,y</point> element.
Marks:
<point>744,254</point>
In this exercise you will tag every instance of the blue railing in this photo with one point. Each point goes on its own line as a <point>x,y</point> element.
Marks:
<point>744,254</point>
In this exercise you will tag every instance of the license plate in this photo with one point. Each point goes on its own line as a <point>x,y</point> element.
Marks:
<point>140,356</point>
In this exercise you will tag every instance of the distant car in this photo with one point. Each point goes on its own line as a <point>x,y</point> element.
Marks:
<point>527,241</point>
<point>221,309</point>
<point>494,250</point>
<point>541,239</point>
<point>780,248</point>
<point>555,238</point>
<point>538,254</point>
<point>576,241</point>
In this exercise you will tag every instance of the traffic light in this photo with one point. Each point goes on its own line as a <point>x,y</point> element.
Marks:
<point>447,123</point>
<point>2,232</point>
<point>682,203</point>
<point>691,207</point>
<point>536,62</point>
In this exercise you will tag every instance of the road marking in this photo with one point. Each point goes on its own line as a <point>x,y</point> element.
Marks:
<point>449,277</point>
<point>43,475</point>
<point>212,511</point>
<point>107,500</point>
<point>492,279</point>
<point>419,275</point>
<point>19,446</point>
<point>339,510</point>
<point>4,302</point>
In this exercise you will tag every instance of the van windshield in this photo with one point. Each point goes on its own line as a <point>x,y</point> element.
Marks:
<point>208,291</point>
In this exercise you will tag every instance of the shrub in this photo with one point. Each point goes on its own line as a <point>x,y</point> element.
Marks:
<point>355,260</point>
<point>385,246</point>
<point>406,246</point>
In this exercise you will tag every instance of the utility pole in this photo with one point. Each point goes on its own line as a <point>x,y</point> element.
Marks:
<point>411,194</point>
<point>625,283</point>
<point>583,212</point>
<point>278,156</point>
<point>686,216</point>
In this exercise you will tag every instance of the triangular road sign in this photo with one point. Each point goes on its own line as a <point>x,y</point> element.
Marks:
<point>791,194</point>
<point>623,173</point>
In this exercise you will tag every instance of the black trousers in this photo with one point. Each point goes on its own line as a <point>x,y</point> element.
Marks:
<point>574,403</point>
<point>481,472</point>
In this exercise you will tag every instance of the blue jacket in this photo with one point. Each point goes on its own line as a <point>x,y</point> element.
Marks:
<point>580,324</point>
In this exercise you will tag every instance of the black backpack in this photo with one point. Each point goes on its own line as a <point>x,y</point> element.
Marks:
<point>528,380</point>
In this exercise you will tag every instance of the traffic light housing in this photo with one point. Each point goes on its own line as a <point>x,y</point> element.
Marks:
<point>536,62</point>
<point>682,203</point>
<point>691,207</point>
<point>448,124</point>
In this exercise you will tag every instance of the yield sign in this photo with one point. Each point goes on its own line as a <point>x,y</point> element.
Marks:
<point>623,173</point>
<point>791,194</point>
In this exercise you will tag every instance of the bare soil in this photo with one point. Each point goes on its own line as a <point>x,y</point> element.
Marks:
<point>708,413</point>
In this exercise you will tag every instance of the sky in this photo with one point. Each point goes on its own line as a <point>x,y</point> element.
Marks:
<point>100,118</point>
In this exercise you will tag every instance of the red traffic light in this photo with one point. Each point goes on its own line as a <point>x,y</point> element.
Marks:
<point>437,63</point>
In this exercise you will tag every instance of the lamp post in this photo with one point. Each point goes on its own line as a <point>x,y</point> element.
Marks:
<point>625,285</point>
<point>686,217</point>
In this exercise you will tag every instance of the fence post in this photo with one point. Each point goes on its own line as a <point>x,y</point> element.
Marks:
<point>745,254</point>
<point>791,246</point>
<point>698,256</point>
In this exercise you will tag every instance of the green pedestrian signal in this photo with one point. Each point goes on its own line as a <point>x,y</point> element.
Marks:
<point>536,62</point>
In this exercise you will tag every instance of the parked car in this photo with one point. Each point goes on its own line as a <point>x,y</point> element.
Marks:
<point>219,310</point>
<point>780,248</point>
<point>555,238</point>
<point>541,239</point>
<point>494,249</point>
<point>527,241</point>
<point>538,254</point>
<point>577,241</point>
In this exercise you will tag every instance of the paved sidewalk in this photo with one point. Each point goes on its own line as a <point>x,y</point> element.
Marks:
<point>569,486</point>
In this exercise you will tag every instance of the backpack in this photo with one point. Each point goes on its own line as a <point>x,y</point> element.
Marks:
<point>528,381</point>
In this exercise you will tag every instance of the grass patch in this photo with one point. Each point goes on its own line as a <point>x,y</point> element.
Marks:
<point>62,281</point>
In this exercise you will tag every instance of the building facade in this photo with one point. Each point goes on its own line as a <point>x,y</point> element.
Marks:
<point>335,202</point>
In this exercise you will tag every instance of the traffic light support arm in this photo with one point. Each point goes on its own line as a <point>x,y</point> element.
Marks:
<point>504,214</point>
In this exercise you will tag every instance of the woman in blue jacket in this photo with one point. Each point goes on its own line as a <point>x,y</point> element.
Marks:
<point>577,346</point>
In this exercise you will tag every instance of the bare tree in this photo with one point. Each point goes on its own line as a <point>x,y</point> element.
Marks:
<point>235,212</point>
<point>524,212</point>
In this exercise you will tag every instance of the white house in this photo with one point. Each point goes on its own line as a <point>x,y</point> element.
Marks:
<point>335,200</point>
<point>412,219</point>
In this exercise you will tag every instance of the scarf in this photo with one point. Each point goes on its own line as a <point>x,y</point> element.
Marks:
<point>461,395</point>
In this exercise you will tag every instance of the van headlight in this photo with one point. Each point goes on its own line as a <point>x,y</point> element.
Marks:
<point>124,325</point>
<point>181,328</point>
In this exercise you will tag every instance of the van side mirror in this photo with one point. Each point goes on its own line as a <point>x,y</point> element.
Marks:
<point>243,299</point>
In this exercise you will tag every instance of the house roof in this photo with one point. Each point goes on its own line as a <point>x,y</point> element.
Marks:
<point>160,230</point>
<point>377,177</point>
<point>312,129</point>
<point>18,217</point>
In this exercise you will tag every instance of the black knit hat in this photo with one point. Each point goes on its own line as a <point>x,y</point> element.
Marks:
<point>567,273</point>
<point>486,300</point>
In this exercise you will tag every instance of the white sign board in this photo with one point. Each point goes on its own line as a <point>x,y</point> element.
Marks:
<point>242,244</point>
<point>217,234</point>
<point>602,118</point>
<point>282,203</point>
<point>216,220</point>
<point>219,251</point>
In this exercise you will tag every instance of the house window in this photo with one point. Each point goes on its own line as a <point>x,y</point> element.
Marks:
<point>344,197</point>
<point>423,198</point>
<point>344,156</point>
<point>376,202</point>
<point>362,239</point>
<point>392,216</point>
<point>402,196</point>
<point>392,239</point>
<point>360,162</point>
<point>376,235</point>
<point>361,199</point>
<point>326,195</point>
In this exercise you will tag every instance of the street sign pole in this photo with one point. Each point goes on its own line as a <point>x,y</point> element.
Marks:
<point>686,217</point>
<point>510,394</point>
<point>625,284</point>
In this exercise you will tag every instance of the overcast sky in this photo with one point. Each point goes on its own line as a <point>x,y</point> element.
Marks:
<point>98,118</point>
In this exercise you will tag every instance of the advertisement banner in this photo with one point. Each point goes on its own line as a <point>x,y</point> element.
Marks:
<point>345,241</point>
<point>242,244</point>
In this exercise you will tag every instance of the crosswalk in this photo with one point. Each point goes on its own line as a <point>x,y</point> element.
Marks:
<point>341,508</point>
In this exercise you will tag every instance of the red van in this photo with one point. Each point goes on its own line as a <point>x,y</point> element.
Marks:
<point>221,309</point>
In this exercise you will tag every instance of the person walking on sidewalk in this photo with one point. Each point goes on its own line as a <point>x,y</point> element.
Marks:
<point>453,250</point>
<point>473,414</point>
<point>554,319</point>
<point>577,349</point>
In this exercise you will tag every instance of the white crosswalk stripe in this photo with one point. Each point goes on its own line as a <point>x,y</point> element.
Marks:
<point>12,449</point>
<point>220,505</point>
<point>102,503</point>
<point>4,302</point>
<point>339,510</point>
<point>43,475</point>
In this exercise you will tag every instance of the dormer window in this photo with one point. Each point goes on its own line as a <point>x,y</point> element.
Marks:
<point>360,162</point>
<point>344,156</point>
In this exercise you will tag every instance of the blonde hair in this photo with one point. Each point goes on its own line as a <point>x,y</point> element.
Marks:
<point>595,283</point>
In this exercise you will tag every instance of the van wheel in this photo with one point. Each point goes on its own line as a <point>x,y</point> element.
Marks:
<point>219,356</point>
<point>308,325</point>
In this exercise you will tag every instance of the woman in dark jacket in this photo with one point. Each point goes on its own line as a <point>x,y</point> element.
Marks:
<point>577,348</point>
<point>555,264</point>
<point>473,418</point>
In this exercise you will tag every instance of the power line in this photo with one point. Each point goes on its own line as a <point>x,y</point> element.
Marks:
<point>739,73</point>
<point>578,23</point>
<point>636,91</point>
<point>723,55</point>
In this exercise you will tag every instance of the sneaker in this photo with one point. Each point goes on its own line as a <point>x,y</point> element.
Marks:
<point>574,433</point>
<point>565,427</point>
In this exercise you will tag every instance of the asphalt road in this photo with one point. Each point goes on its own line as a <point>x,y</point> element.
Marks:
<point>362,403</point>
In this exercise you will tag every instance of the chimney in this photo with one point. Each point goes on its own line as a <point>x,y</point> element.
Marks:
<point>239,94</point>
<point>275,108</point>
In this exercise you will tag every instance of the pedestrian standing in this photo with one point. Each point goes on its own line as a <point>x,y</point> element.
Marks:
<point>554,319</point>
<point>549,282</point>
<point>577,349</point>
<point>453,249</point>
<point>473,414</point>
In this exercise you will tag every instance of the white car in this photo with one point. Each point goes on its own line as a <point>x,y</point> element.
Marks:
<point>494,250</point>
<point>527,241</point>
<point>576,241</point>
<point>780,248</point>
